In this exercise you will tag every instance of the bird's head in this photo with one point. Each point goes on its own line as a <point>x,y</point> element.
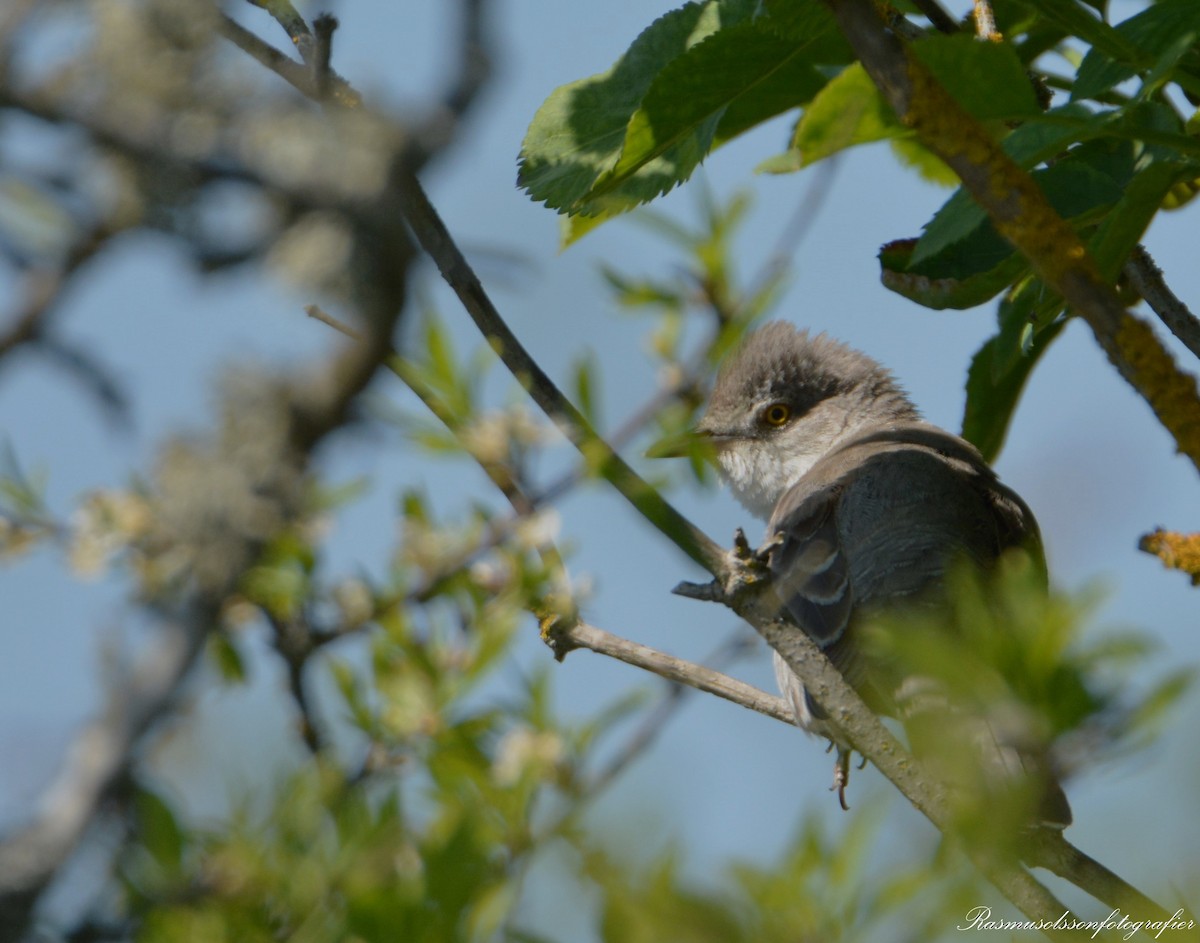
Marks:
<point>783,400</point>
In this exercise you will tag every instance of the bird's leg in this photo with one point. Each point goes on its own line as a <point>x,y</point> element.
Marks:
<point>841,772</point>
<point>745,567</point>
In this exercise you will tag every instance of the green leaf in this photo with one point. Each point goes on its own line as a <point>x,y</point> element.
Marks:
<point>1082,23</point>
<point>736,78</point>
<point>809,22</point>
<point>585,389</point>
<point>1124,225</point>
<point>1049,134</point>
<point>1167,691</point>
<point>227,657</point>
<point>912,153</point>
<point>1026,311</point>
<point>159,830</point>
<point>946,290</point>
<point>961,216</point>
<point>993,392</point>
<point>1146,40</point>
<point>579,131</point>
<point>847,111</point>
<point>987,79</point>
<point>1091,177</point>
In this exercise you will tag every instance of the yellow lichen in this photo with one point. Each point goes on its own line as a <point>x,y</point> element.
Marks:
<point>1177,551</point>
<point>1170,392</point>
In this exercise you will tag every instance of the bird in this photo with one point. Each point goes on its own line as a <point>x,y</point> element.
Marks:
<point>868,507</point>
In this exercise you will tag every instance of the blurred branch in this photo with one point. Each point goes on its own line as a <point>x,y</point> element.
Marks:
<point>433,236</point>
<point>1050,850</point>
<point>44,289</point>
<point>1022,215</point>
<point>31,323</point>
<point>856,721</point>
<point>204,488</point>
<point>98,758</point>
<point>1147,280</point>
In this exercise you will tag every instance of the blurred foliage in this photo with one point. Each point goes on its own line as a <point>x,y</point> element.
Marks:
<point>430,792</point>
<point>434,796</point>
<point>1115,152</point>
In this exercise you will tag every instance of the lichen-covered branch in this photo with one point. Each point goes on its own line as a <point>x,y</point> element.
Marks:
<point>1147,280</point>
<point>1176,551</point>
<point>1021,213</point>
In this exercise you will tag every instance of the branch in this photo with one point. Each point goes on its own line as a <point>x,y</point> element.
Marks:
<point>1147,280</point>
<point>1176,551</point>
<point>1021,214</point>
<point>857,723</point>
<point>563,638</point>
<point>204,491</point>
<point>435,239</point>
<point>745,593</point>
<point>97,759</point>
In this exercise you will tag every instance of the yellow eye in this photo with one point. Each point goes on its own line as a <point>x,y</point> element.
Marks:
<point>777,414</point>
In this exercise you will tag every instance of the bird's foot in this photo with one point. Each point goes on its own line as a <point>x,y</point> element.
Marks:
<point>841,774</point>
<point>745,566</point>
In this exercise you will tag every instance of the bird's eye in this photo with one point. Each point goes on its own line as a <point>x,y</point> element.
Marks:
<point>777,414</point>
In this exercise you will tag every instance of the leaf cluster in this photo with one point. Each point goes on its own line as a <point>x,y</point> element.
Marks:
<point>1118,150</point>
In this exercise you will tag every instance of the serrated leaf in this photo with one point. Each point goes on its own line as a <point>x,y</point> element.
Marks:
<point>1143,40</point>
<point>812,23</point>
<point>993,393</point>
<point>946,290</point>
<point>1079,22</point>
<point>960,241</point>
<point>987,79</point>
<point>579,131</point>
<point>1128,220</point>
<point>734,79</point>
<point>847,111</point>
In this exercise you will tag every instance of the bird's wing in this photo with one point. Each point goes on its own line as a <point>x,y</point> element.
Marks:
<point>811,573</point>
<point>875,524</point>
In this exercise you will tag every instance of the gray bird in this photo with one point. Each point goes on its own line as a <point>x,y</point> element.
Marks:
<point>867,506</point>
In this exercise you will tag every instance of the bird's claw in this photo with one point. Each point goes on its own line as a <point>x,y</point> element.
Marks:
<point>841,775</point>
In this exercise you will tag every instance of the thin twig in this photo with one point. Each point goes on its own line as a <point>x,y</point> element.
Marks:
<point>433,236</point>
<point>563,638</point>
<point>672,701</point>
<point>942,21</point>
<point>985,21</point>
<point>323,28</point>
<point>1147,280</point>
